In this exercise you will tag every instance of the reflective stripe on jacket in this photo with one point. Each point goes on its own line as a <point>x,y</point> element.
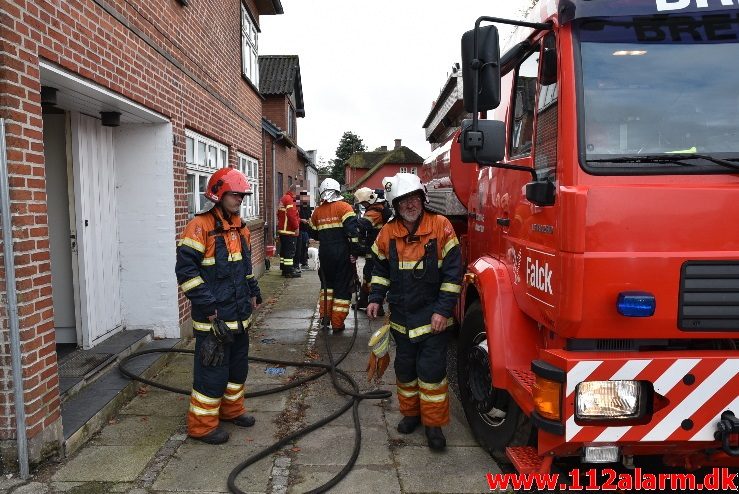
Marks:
<point>214,268</point>
<point>421,275</point>
<point>288,221</point>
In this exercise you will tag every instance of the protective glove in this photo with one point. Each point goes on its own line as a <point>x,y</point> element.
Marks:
<point>379,358</point>
<point>211,352</point>
<point>222,332</point>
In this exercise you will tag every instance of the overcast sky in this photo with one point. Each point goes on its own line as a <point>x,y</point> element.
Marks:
<point>372,67</point>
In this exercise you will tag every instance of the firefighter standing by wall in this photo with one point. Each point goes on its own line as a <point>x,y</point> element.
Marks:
<point>214,271</point>
<point>288,227</point>
<point>374,215</point>
<point>334,225</point>
<point>418,264</point>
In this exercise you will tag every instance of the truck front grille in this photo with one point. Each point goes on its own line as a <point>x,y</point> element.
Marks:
<point>709,296</point>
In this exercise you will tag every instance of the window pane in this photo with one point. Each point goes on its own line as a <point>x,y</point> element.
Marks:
<point>191,195</point>
<point>190,153</point>
<point>224,158</point>
<point>201,153</point>
<point>212,156</point>
<point>523,121</point>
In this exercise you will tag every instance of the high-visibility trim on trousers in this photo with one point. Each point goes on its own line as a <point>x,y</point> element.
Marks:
<point>326,302</point>
<point>408,398</point>
<point>202,417</point>
<point>339,312</point>
<point>434,400</point>
<point>233,401</point>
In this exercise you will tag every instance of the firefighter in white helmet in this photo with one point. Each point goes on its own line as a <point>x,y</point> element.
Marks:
<point>334,225</point>
<point>418,266</point>
<point>372,216</point>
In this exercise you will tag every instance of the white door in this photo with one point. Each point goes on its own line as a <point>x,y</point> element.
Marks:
<point>61,240</point>
<point>94,173</point>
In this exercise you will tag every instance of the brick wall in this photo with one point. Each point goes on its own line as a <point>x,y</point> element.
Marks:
<point>183,62</point>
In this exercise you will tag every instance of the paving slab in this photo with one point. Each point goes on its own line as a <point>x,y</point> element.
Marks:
<point>106,463</point>
<point>374,478</point>
<point>155,402</point>
<point>333,445</point>
<point>456,470</point>
<point>199,467</point>
<point>135,430</point>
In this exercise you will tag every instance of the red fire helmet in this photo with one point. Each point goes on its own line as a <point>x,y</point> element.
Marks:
<point>226,180</point>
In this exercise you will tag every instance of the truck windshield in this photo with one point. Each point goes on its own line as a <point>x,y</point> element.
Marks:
<point>659,86</point>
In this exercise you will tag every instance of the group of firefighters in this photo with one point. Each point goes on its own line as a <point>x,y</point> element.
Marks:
<point>412,261</point>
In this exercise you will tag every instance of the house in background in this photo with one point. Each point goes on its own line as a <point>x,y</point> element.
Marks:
<point>285,161</point>
<point>368,168</point>
<point>115,115</point>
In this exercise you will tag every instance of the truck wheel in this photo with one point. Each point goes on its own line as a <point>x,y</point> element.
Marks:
<point>494,417</point>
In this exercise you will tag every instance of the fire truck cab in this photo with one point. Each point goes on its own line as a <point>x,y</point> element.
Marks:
<point>600,179</point>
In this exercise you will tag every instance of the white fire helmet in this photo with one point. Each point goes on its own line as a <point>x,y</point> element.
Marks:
<point>401,185</point>
<point>365,194</point>
<point>329,190</point>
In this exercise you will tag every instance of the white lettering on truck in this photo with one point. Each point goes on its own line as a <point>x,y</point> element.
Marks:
<point>539,277</point>
<point>684,4</point>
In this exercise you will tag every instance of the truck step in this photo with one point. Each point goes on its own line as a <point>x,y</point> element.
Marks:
<point>522,384</point>
<point>526,460</point>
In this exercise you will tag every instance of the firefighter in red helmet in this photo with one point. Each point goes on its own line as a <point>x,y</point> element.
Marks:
<point>214,271</point>
<point>418,265</point>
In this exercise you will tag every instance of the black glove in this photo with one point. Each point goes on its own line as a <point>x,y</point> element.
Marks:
<point>211,352</point>
<point>222,332</point>
<point>259,299</point>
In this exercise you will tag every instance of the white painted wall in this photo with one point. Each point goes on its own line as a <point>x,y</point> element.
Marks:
<point>146,228</point>
<point>312,179</point>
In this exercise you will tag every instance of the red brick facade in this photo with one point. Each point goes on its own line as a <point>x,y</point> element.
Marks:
<point>181,62</point>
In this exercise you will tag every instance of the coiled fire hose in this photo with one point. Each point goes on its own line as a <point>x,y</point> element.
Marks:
<point>355,397</point>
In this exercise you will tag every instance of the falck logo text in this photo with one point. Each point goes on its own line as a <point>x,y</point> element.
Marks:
<point>539,275</point>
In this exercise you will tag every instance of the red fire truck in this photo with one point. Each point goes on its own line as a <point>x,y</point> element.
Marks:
<point>599,177</point>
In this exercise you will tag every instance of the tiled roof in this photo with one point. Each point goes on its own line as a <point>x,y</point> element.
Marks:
<point>375,160</point>
<point>280,75</point>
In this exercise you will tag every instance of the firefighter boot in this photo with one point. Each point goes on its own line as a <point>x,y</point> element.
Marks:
<point>216,436</point>
<point>435,437</point>
<point>408,424</point>
<point>242,420</point>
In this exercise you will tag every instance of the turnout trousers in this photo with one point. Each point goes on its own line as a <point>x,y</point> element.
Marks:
<point>288,244</point>
<point>337,280</point>
<point>218,392</point>
<point>420,369</point>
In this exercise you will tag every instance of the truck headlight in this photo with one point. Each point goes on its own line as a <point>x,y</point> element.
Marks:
<point>613,400</point>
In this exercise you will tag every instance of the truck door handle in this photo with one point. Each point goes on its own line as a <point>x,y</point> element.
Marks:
<point>503,221</point>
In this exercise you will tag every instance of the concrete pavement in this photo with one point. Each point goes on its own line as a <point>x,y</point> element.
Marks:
<point>145,448</point>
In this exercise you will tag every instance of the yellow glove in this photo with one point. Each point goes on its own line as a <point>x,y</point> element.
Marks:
<point>379,357</point>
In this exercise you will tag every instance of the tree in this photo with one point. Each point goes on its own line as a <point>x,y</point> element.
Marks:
<point>349,144</point>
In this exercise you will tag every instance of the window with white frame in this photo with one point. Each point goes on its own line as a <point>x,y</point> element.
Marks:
<point>249,47</point>
<point>414,170</point>
<point>250,167</point>
<point>403,169</point>
<point>203,156</point>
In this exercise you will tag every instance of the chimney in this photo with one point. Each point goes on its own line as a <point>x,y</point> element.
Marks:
<point>397,143</point>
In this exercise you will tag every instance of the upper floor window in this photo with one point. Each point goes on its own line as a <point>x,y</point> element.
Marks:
<point>291,122</point>
<point>249,47</point>
<point>203,156</point>
<point>403,169</point>
<point>250,167</point>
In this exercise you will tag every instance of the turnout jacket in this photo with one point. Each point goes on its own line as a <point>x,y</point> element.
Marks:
<point>335,224</point>
<point>370,225</point>
<point>288,221</point>
<point>214,270</point>
<point>420,274</point>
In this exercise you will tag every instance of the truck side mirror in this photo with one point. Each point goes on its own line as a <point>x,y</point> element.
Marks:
<point>540,193</point>
<point>549,67</point>
<point>489,141</point>
<point>481,73</point>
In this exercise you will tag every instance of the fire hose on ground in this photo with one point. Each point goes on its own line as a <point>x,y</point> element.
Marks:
<point>332,367</point>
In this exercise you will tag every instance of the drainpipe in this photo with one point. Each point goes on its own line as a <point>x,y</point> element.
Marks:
<point>15,340</point>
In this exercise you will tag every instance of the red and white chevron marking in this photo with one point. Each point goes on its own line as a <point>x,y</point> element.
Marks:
<point>716,388</point>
